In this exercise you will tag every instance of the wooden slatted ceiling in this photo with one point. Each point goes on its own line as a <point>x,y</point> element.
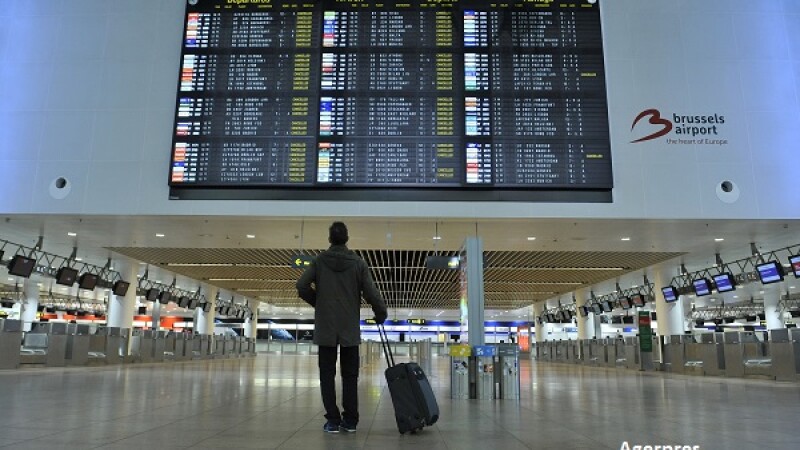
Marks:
<point>513,279</point>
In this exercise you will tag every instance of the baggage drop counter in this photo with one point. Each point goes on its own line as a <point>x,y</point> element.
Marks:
<point>10,343</point>
<point>782,352</point>
<point>77,351</point>
<point>631,346</point>
<point>46,344</point>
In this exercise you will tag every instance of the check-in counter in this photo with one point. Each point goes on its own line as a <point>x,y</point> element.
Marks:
<point>693,363</point>
<point>147,345</point>
<point>560,351</point>
<point>757,359</point>
<point>794,338</point>
<point>183,347</point>
<point>135,347</point>
<point>734,354</point>
<point>116,344</point>
<point>572,352</point>
<point>620,357</point>
<point>108,345</point>
<point>675,352</point>
<point>586,350</point>
<point>220,341</point>
<point>230,346</point>
<point>77,351</point>
<point>159,346</point>
<point>169,345</point>
<point>782,352</point>
<point>46,344</point>
<point>631,345</point>
<point>610,352</point>
<point>598,353</point>
<point>10,342</point>
<point>713,354</point>
<point>201,345</point>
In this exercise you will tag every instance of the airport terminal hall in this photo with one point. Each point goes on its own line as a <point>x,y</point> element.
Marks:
<point>386,224</point>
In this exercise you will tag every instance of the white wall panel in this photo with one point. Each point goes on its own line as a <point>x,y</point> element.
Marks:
<point>119,64</point>
<point>67,136</point>
<point>20,136</point>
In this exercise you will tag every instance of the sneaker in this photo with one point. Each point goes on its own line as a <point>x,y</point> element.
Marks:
<point>347,427</point>
<point>330,427</point>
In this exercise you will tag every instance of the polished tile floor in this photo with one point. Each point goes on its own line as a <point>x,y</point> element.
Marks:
<point>272,401</point>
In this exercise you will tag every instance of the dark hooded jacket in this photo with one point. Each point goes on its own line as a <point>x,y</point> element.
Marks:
<point>340,278</point>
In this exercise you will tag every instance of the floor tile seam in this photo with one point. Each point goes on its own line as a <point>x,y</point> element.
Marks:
<point>503,429</point>
<point>375,413</point>
<point>171,423</point>
<point>299,429</point>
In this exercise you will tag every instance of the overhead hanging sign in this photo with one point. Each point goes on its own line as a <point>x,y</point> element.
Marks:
<point>301,261</point>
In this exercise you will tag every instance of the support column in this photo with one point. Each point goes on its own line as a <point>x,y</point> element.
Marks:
<point>772,312</point>
<point>669,315</point>
<point>204,321</point>
<point>122,308</point>
<point>475,295</point>
<point>585,327</point>
<point>538,309</point>
<point>30,303</point>
<point>251,326</point>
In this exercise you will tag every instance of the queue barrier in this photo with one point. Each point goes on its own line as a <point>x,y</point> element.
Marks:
<point>773,355</point>
<point>58,344</point>
<point>77,351</point>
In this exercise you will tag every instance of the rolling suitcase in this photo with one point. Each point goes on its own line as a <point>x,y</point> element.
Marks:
<point>415,406</point>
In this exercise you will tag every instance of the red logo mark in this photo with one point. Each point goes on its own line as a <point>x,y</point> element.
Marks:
<point>655,119</point>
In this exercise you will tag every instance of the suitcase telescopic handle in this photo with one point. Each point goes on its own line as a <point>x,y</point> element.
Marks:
<point>387,351</point>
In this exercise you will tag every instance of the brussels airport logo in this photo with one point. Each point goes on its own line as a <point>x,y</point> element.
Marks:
<point>678,129</point>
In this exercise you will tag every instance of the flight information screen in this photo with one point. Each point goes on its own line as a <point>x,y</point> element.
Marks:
<point>430,95</point>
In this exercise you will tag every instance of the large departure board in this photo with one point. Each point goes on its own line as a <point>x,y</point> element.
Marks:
<point>410,96</point>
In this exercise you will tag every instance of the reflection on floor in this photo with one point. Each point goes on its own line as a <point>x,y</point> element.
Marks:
<point>273,401</point>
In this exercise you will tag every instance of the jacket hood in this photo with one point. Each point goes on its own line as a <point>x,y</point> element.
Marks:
<point>338,258</point>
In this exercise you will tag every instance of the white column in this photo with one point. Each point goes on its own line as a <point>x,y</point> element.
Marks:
<point>122,308</point>
<point>30,303</point>
<point>250,326</point>
<point>476,325</point>
<point>204,321</point>
<point>585,330</point>
<point>670,315</point>
<point>538,309</point>
<point>772,312</point>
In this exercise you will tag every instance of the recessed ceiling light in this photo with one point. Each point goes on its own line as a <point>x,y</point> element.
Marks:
<point>760,292</point>
<point>78,259</point>
<point>791,287</point>
<point>625,239</point>
<point>10,279</point>
<point>436,238</point>
<point>531,238</point>
<point>72,234</point>
<point>718,239</point>
<point>713,300</point>
<point>735,296</point>
<point>159,235</point>
<point>251,236</point>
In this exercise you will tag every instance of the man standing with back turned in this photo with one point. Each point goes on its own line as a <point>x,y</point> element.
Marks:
<point>340,278</point>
